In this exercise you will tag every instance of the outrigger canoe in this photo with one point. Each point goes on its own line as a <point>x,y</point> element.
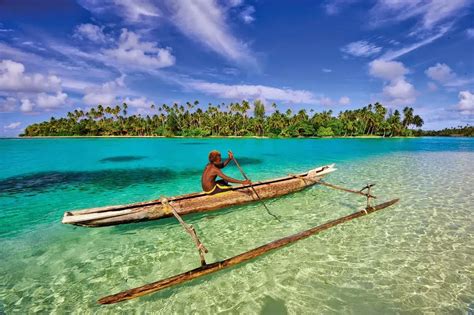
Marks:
<point>196,202</point>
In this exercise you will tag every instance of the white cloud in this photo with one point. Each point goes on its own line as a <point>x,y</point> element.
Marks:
<point>361,48</point>
<point>239,92</point>
<point>91,32</point>
<point>344,100</point>
<point>104,94</point>
<point>394,54</point>
<point>14,78</point>
<point>132,52</point>
<point>246,14</point>
<point>111,93</point>
<point>8,105</point>
<point>205,22</point>
<point>48,101</point>
<point>443,74</point>
<point>139,102</point>
<point>325,70</point>
<point>397,91</point>
<point>400,92</point>
<point>13,125</point>
<point>387,70</point>
<point>26,105</point>
<point>440,72</point>
<point>466,103</point>
<point>431,13</point>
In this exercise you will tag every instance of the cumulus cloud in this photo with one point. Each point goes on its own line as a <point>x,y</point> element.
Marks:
<point>13,125</point>
<point>444,75</point>
<point>132,52</point>
<point>387,70</point>
<point>440,72</point>
<point>139,102</point>
<point>244,91</point>
<point>344,100</point>
<point>400,92</point>
<point>397,90</point>
<point>14,78</point>
<point>91,32</point>
<point>43,101</point>
<point>361,48</point>
<point>112,92</point>
<point>49,101</point>
<point>26,105</point>
<point>466,103</point>
<point>104,94</point>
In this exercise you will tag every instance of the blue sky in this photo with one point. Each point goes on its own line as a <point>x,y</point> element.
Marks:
<point>59,55</point>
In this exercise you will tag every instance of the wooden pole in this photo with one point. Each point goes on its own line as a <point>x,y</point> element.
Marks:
<point>359,192</point>
<point>190,229</point>
<point>254,190</point>
<point>219,265</point>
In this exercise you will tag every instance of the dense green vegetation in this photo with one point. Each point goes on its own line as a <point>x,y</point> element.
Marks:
<point>460,131</point>
<point>229,120</point>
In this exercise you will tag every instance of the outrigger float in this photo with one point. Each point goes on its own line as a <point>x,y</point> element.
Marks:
<point>191,203</point>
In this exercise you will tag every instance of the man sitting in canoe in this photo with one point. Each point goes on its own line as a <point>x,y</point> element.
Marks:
<point>213,169</point>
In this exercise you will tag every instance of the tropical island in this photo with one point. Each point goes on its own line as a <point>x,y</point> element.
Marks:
<point>231,120</point>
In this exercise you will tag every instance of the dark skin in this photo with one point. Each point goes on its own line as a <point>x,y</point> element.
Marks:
<point>213,169</point>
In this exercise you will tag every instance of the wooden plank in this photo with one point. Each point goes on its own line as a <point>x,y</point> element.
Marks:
<point>219,265</point>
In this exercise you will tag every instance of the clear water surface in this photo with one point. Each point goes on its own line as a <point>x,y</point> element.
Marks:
<point>415,257</point>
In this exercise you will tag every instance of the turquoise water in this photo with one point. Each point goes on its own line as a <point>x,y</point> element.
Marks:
<point>415,257</point>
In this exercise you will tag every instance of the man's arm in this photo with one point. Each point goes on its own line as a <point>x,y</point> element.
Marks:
<point>230,179</point>
<point>229,158</point>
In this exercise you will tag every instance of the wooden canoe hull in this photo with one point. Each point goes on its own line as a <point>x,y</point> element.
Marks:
<point>197,202</point>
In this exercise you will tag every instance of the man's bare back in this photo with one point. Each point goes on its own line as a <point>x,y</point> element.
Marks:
<point>213,170</point>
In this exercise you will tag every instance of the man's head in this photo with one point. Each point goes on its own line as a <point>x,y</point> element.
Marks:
<point>215,157</point>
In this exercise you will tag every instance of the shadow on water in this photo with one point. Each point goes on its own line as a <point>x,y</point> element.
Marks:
<point>100,179</point>
<point>122,158</point>
<point>248,161</point>
<point>110,179</point>
<point>193,143</point>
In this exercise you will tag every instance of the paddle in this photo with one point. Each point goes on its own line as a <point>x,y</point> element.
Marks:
<point>253,188</point>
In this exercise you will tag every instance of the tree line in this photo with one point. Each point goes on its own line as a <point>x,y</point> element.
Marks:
<point>234,119</point>
<point>459,131</point>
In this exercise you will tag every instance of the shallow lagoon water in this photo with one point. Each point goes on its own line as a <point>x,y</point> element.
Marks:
<point>415,257</point>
